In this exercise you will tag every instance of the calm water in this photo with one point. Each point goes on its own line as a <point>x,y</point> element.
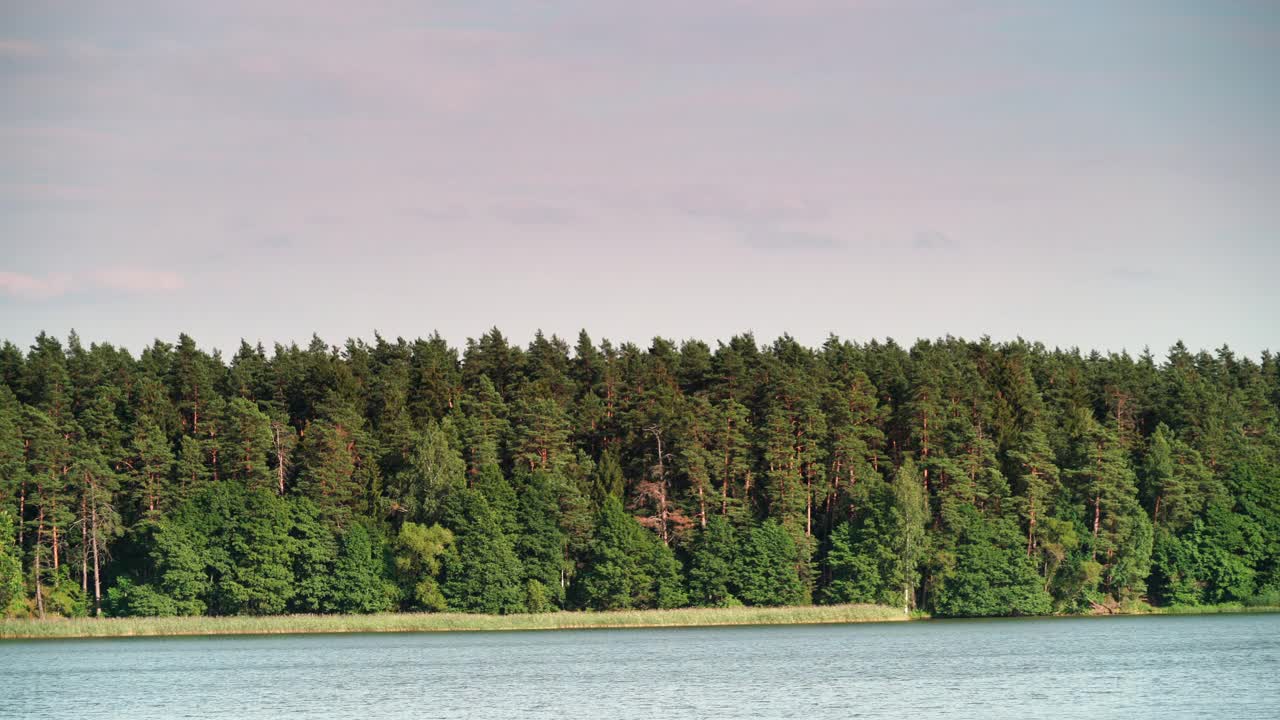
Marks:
<point>1145,667</point>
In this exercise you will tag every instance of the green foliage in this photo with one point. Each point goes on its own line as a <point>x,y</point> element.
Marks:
<point>418,553</point>
<point>12,588</point>
<point>174,579</point>
<point>768,568</point>
<point>314,552</point>
<point>992,574</point>
<point>861,560</point>
<point>540,542</point>
<point>712,565</point>
<point>63,596</point>
<point>481,570</point>
<point>910,513</point>
<point>358,585</point>
<point>629,567</point>
<point>434,473</point>
<point>973,478</point>
<point>327,470</point>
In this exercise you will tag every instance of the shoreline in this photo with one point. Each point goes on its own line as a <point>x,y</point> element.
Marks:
<point>199,626</point>
<point>190,626</point>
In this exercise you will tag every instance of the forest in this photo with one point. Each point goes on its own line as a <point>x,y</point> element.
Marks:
<point>956,477</point>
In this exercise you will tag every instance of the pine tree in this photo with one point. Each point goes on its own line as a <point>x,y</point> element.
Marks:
<point>357,585</point>
<point>541,436</point>
<point>151,468</point>
<point>767,572</point>
<point>1121,533</point>
<point>712,565</point>
<point>481,572</point>
<point>628,566</point>
<point>1036,481</point>
<point>992,574</point>
<point>246,445</point>
<point>540,541</point>
<point>12,589</point>
<point>485,426</point>
<point>327,471</point>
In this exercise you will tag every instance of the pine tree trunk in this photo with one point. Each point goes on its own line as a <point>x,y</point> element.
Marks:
<point>39,586</point>
<point>924,454</point>
<point>724,499</point>
<point>702,507</point>
<point>97,575</point>
<point>22,511</point>
<point>1097,517</point>
<point>56,564</point>
<point>663,511</point>
<point>808,505</point>
<point>1031,527</point>
<point>84,543</point>
<point>279,457</point>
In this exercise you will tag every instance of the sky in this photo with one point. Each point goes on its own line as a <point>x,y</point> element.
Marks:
<point>1088,174</point>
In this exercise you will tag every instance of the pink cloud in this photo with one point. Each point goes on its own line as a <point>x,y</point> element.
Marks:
<point>132,281</point>
<point>32,287</point>
<point>18,48</point>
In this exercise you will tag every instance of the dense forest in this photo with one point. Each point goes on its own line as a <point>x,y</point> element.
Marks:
<point>957,477</point>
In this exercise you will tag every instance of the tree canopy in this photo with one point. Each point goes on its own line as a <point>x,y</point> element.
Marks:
<point>960,477</point>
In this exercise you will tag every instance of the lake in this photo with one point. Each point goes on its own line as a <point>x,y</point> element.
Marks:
<point>1224,666</point>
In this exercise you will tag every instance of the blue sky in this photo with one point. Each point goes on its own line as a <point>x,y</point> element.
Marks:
<point>1101,175</point>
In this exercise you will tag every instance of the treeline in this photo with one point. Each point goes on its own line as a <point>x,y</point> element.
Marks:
<point>965,478</point>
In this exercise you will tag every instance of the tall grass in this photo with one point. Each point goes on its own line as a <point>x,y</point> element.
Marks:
<point>1219,609</point>
<point>441,622</point>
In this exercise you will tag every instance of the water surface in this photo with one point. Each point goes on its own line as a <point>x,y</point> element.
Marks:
<point>1130,667</point>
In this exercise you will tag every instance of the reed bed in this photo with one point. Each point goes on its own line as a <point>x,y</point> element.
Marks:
<point>440,622</point>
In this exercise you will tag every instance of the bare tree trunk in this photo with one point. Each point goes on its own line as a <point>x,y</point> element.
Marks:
<point>97,575</point>
<point>275,427</point>
<point>39,586</point>
<point>1097,516</point>
<point>724,498</point>
<point>55,546</point>
<point>1031,526</point>
<point>808,504</point>
<point>663,511</point>
<point>22,510</point>
<point>702,508</point>
<point>924,453</point>
<point>84,544</point>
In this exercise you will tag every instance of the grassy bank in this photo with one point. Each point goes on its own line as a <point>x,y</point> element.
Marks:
<point>441,622</point>
<point>1223,609</point>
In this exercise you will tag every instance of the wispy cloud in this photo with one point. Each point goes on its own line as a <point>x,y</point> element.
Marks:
<point>720,204</point>
<point>10,47</point>
<point>782,241</point>
<point>533,214</point>
<point>1132,274</point>
<point>32,287</point>
<point>130,281</point>
<point>136,280</point>
<point>931,240</point>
